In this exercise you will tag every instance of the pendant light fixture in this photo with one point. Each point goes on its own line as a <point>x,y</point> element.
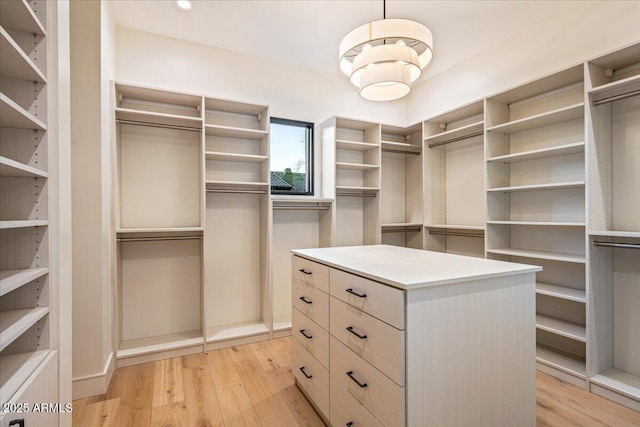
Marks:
<point>383,58</point>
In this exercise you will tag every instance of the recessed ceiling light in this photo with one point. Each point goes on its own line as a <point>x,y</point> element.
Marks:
<point>184,4</point>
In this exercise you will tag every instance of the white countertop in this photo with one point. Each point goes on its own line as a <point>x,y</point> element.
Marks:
<point>406,268</point>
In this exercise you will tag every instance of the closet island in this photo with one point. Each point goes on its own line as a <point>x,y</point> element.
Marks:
<point>394,336</point>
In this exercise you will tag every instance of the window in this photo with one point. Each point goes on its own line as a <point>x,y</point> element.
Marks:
<point>291,157</point>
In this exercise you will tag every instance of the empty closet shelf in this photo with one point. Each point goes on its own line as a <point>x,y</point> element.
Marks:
<point>630,234</point>
<point>552,256</point>
<point>14,116</point>
<point>620,381</point>
<point>227,332</point>
<point>401,147</point>
<point>540,223</point>
<point>142,117</point>
<point>561,327</point>
<point>229,186</point>
<point>4,225</point>
<point>543,153</point>
<point>235,132</point>
<point>11,168</point>
<point>15,369</point>
<point>561,361</point>
<point>455,227</point>
<point>563,292</point>
<point>13,279</point>
<point>342,144</point>
<point>234,157</point>
<point>356,166</point>
<point>15,63</point>
<point>14,323</point>
<point>616,90</point>
<point>536,187</point>
<point>571,112</point>
<point>18,15</point>
<point>463,132</point>
<point>142,346</point>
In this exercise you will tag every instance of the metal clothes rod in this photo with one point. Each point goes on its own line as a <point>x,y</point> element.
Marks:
<point>453,233</point>
<point>220,190</point>
<point>399,230</point>
<point>153,239</point>
<point>356,194</point>
<point>301,208</point>
<point>156,125</point>
<point>616,97</point>
<point>460,138</point>
<point>618,245</point>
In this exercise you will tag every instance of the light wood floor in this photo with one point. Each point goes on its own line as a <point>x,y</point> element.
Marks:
<point>252,385</point>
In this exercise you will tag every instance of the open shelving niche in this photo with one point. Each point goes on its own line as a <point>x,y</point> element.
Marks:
<point>454,202</point>
<point>159,223</point>
<point>26,339</point>
<point>535,162</point>
<point>351,173</point>
<point>237,239</point>
<point>613,125</point>
<point>401,186</point>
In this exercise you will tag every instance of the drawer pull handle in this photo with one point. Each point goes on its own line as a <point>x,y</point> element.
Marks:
<point>352,292</point>
<point>350,329</point>
<point>305,271</point>
<point>304,300</point>
<point>355,380</point>
<point>305,374</point>
<point>304,334</point>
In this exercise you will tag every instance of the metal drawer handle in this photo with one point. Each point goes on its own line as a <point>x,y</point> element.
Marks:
<point>350,375</point>
<point>305,271</point>
<point>352,292</point>
<point>305,374</point>
<point>304,300</point>
<point>350,329</point>
<point>304,334</point>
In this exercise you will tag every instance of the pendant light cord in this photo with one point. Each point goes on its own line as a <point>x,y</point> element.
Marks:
<point>384,9</point>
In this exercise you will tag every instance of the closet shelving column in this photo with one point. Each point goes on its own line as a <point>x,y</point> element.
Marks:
<point>353,148</point>
<point>237,292</point>
<point>454,202</point>
<point>401,186</point>
<point>536,211</point>
<point>159,223</point>
<point>27,344</point>
<point>613,125</point>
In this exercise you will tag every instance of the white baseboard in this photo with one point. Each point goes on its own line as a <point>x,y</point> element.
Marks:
<point>92,385</point>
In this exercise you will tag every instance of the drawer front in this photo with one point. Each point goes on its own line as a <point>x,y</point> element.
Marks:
<point>380,344</point>
<point>380,301</point>
<point>381,396</point>
<point>310,272</point>
<point>346,409</point>
<point>311,336</point>
<point>311,376</point>
<point>311,302</point>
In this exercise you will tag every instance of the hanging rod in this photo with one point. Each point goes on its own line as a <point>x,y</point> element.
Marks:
<point>388,150</point>
<point>400,230</point>
<point>460,138</point>
<point>356,194</point>
<point>156,125</point>
<point>301,208</point>
<point>222,190</point>
<point>617,245</point>
<point>616,97</point>
<point>154,239</point>
<point>455,233</point>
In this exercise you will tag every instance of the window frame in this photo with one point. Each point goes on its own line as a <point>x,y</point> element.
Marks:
<point>309,126</point>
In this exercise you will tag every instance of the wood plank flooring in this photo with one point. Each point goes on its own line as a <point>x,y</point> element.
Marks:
<point>252,385</point>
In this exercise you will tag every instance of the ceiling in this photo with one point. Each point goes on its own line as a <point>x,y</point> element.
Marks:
<point>306,33</point>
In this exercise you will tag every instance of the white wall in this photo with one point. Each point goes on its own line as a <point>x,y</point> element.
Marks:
<point>590,29</point>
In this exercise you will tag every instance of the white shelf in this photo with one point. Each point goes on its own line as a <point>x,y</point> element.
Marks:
<point>14,323</point>
<point>342,144</point>
<point>142,116</point>
<point>18,15</point>
<point>560,361</point>
<point>232,157</point>
<point>536,187</point>
<point>14,116</point>
<point>560,150</point>
<point>13,279</point>
<point>456,227</point>
<point>351,188</point>
<point>631,234</point>
<point>356,166</point>
<point>240,330</point>
<point>238,185</point>
<point>619,381</point>
<point>560,115</point>
<point>540,223</point>
<point>552,256</point>
<point>455,134</point>
<point>160,230</point>
<point>235,132</point>
<point>616,88</point>
<point>561,327</point>
<point>142,346</point>
<point>15,369</point>
<point>4,225</point>
<point>401,146</point>
<point>10,167</point>
<point>562,292</point>
<point>279,198</point>
<point>14,63</point>
<point>392,225</point>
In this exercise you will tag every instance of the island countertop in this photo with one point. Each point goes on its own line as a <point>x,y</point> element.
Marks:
<point>406,268</point>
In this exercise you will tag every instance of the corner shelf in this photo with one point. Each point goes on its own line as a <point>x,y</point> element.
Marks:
<point>13,279</point>
<point>16,64</point>
<point>4,225</point>
<point>14,323</point>
<point>18,15</point>
<point>560,115</point>
<point>12,168</point>
<point>342,144</point>
<point>235,132</point>
<point>536,187</point>
<point>232,157</point>
<point>561,327</point>
<point>560,150</point>
<point>563,292</point>
<point>552,256</point>
<point>560,361</point>
<point>165,119</point>
<point>16,368</point>
<point>356,166</point>
<point>14,116</point>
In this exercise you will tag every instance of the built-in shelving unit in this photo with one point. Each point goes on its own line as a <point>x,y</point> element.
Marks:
<point>454,185</point>
<point>535,175</point>
<point>613,125</point>
<point>27,314</point>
